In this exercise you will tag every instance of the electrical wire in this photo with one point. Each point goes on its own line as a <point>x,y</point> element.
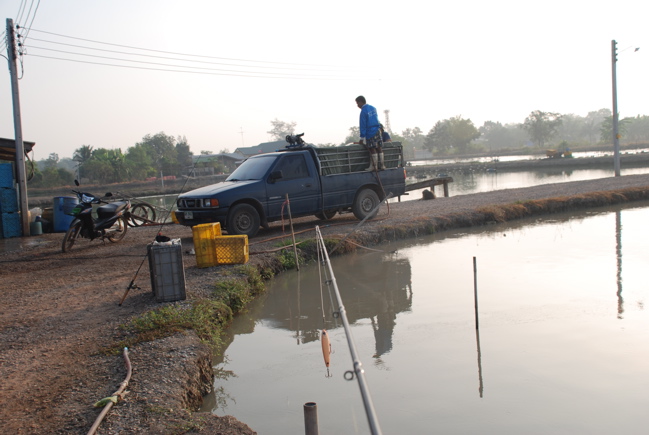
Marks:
<point>291,67</point>
<point>190,68</point>
<point>288,64</point>
<point>188,72</point>
<point>32,20</point>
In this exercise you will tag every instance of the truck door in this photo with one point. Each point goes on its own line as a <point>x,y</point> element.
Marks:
<point>302,186</point>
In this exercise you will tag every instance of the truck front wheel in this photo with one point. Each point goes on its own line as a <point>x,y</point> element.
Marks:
<point>243,219</point>
<point>365,202</point>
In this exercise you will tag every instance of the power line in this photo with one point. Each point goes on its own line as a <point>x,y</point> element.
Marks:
<point>161,57</point>
<point>33,17</point>
<point>190,72</point>
<point>194,55</point>
<point>285,74</point>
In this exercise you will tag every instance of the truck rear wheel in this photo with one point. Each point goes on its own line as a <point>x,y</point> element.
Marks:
<point>243,219</point>
<point>365,202</point>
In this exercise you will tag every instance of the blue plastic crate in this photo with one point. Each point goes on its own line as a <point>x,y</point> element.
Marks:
<point>6,175</point>
<point>8,200</point>
<point>10,225</point>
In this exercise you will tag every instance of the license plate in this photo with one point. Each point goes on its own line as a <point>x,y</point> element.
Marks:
<point>188,215</point>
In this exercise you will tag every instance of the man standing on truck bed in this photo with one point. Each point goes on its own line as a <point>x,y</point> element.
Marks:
<point>371,133</point>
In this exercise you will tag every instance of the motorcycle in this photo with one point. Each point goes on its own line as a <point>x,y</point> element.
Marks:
<point>111,223</point>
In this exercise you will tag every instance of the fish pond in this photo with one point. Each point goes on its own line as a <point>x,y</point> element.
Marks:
<point>561,347</point>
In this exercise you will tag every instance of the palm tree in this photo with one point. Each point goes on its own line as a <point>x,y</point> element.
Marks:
<point>81,156</point>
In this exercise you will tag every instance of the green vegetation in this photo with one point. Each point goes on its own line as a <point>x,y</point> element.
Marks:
<point>206,316</point>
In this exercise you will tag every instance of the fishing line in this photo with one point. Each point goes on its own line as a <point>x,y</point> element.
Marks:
<point>358,372</point>
<point>324,335</point>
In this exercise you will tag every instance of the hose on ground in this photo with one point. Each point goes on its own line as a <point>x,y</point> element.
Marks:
<point>117,393</point>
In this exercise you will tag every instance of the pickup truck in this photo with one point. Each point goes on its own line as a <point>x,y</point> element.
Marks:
<point>318,181</point>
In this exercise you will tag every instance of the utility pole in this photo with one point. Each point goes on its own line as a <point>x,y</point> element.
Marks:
<point>18,132</point>
<point>616,133</point>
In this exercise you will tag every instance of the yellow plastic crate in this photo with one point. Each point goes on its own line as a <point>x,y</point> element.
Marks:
<point>204,236</point>
<point>231,249</point>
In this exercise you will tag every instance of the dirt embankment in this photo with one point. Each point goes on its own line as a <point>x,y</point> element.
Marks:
<point>60,310</point>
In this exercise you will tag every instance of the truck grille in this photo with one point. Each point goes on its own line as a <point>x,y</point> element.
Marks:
<point>189,203</point>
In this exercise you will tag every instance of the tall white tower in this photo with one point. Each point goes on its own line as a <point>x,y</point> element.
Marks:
<point>387,121</point>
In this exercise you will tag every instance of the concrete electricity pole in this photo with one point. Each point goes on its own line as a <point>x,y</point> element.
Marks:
<point>616,133</point>
<point>20,146</point>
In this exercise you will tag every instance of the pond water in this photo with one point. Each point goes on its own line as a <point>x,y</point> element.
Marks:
<point>561,346</point>
<point>513,158</point>
<point>464,184</point>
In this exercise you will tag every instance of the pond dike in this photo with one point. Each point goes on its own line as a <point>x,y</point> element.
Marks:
<point>637,160</point>
<point>184,363</point>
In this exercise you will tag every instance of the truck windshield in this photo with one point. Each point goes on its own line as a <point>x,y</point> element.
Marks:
<point>252,169</point>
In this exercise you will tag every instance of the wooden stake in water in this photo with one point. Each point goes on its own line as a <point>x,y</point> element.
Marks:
<point>475,290</point>
<point>311,418</point>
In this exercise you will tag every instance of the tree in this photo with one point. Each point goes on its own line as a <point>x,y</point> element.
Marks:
<point>140,162</point>
<point>52,160</point>
<point>353,136</point>
<point>497,136</point>
<point>81,156</point>
<point>438,138</point>
<point>541,126</point>
<point>638,129</point>
<point>452,134</point>
<point>593,123</point>
<point>606,129</point>
<point>183,156</point>
<point>281,129</point>
<point>571,128</point>
<point>161,148</point>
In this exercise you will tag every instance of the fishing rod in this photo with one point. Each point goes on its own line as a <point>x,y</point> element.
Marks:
<point>358,370</point>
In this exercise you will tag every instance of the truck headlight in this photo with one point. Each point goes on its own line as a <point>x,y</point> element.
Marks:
<point>210,202</point>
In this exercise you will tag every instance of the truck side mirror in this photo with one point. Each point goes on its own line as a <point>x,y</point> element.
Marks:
<point>275,175</point>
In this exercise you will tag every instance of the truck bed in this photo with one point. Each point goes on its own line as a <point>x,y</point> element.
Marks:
<point>355,158</point>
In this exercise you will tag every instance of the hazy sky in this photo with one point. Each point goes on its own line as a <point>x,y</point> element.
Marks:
<point>422,61</point>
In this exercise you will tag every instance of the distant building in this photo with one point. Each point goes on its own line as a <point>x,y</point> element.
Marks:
<point>262,148</point>
<point>229,160</point>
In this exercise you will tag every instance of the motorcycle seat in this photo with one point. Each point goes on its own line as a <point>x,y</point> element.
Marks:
<point>109,210</point>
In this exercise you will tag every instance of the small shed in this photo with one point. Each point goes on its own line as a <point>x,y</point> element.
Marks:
<point>8,148</point>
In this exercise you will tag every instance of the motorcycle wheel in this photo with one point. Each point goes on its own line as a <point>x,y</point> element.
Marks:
<point>118,230</point>
<point>141,213</point>
<point>71,236</point>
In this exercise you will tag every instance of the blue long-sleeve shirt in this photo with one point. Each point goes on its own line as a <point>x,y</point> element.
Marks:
<point>369,122</point>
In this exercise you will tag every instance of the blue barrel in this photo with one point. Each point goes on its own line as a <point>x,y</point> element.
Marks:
<point>62,206</point>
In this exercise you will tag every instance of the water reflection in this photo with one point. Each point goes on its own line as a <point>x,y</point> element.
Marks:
<point>375,288</point>
<point>618,257</point>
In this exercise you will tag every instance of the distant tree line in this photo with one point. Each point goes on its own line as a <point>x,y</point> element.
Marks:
<point>155,156</point>
<point>539,130</point>
<point>162,155</point>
